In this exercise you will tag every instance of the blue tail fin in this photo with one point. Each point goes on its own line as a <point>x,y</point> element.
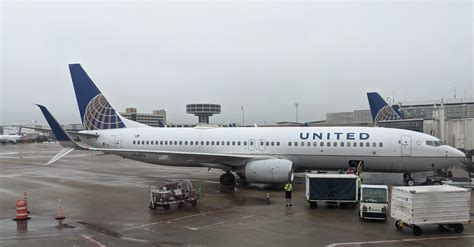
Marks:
<point>380,110</point>
<point>96,111</point>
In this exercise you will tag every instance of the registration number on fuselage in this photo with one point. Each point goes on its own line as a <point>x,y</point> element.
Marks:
<point>138,155</point>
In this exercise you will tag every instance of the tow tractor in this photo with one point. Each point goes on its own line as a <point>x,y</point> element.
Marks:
<point>177,192</point>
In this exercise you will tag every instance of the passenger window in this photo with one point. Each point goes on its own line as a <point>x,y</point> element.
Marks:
<point>321,144</point>
<point>166,142</point>
<point>374,144</point>
<point>217,143</point>
<point>309,144</point>
<point>143,142</point>
<point>238,143</point>
<point>273,143</point>
<point>335,144</point>
<point>289,144</point>
<point>185,142</point>
<point>348,144</point>
<point>296,144</point>
<point>228,143</point>
<point>261,144</point>
<point>355,144</point>
<point>342,144</point>
<point>175,142</point>
<point>302,144</point>
<point>315,144</point>
<point>207,143</point>
<point>245,143</point>
<point>222,143</point>
<point>190,143</point>
<point>180,142</point>
<point>267,143</point>
<point>161,142</point>
<point>380,144</point>
<point>251,143</point>
<point>361,144</point>
<point>233,143</point>
<point>151,142</point>
<point>212,143</point>
<point>367,144</point>
<point>202,143</point>
<point>278,143</point>
<point>133,142</point>
<point>328,144</point>
<point>147,142</point>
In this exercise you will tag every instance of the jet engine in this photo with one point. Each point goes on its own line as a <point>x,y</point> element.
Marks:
<point>267,171</point>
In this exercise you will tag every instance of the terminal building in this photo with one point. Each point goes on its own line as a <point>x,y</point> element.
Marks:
<point>152,119</point>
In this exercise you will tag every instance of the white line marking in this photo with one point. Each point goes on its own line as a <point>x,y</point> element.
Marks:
<point>398,241</point>
<point>89,238</point>
<point>206,226</point>
<point>135,239</point>
<point>248,216</point>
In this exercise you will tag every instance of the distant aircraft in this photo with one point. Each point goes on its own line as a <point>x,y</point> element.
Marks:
<point>12,139</point>
<point>262,155</point>
<point>380,110</point>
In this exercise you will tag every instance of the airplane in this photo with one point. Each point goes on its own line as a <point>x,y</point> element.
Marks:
<point>11,138</point>
<point>258,155</point>
<point>380,110</point>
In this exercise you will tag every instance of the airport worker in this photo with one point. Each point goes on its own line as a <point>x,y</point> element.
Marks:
<point>288,190</point>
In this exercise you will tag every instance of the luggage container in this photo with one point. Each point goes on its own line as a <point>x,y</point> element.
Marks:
<point>442,205</point>
<point>336,189</point>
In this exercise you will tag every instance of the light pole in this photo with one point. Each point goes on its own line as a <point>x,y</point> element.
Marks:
<point>296,111</point>
<point>243,115</point>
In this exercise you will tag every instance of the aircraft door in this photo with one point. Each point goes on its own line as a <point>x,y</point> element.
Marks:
<point>118,141</point>
<point>406,145</point>
<point>261,145</point>
<point>251,145</point>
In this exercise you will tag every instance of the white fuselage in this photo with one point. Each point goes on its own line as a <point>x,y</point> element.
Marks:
<point>9,138</point>
<point>380,149</point>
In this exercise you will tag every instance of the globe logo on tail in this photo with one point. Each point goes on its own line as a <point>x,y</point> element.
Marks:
<point>386,113</point>
<point>100,115</point>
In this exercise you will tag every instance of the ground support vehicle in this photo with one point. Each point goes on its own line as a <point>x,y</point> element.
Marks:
<point>373,202</point>
<point>177,192</point>
<point>442,205</point>
<point>333,189</point>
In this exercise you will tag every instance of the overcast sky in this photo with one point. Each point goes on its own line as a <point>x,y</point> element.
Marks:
<point>263,56</point>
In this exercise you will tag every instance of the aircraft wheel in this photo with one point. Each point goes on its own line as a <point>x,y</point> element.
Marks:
<point>399,224</point>
<point>417,231</point>
<point>227,179</point>
<point>459,228</point>
<point>166,206</point>
<point>410,182</point>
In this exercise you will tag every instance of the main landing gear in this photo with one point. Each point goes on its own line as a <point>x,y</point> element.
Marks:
<point>409,181</point>
<point>227,179</point>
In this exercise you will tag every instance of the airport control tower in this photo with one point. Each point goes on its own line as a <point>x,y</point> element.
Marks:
<point>203,111</point>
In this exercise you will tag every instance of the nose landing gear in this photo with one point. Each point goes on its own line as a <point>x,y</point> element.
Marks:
<point>409,181</point>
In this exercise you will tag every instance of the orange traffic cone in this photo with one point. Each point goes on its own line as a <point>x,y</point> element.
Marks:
<point>21,210</point>
<point>60,211</point>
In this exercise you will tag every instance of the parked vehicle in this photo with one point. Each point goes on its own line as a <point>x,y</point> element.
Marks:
<point>442,205</point>
<point>335,189</point>
<point>373,202</point>
<point>172,193</point>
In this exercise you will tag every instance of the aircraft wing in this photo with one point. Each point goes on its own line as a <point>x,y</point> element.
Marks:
<point>224,159</point>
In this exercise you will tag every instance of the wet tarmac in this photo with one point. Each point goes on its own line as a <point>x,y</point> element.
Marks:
<point>104,199</point>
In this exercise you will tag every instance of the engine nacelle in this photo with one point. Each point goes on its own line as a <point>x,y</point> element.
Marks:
<point>267,171</point>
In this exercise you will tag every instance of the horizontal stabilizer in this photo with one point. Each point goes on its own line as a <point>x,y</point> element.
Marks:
<point>59,155</point>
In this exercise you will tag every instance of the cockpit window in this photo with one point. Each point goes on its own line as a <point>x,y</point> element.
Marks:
<point>434,143</point>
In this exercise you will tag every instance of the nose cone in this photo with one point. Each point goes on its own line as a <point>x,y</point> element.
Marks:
<point>455,154</point>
